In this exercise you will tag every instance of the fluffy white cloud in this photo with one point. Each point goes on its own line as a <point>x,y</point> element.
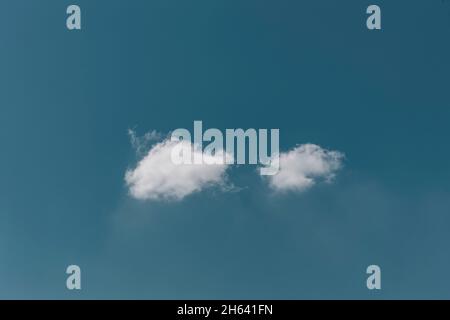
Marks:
<point>156,176</point>
<point>302,166</point>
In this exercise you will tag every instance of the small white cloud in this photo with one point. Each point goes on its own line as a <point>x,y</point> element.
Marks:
<point>303,166</point>
<point>156,177</point>
<point>142,144</point>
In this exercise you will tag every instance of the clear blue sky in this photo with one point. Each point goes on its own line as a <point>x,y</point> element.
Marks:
<point>310,68</point>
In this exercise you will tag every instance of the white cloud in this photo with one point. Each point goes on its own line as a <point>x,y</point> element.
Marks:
<point>156,177</point>
<point>142,144</point>
<point>303,166</point>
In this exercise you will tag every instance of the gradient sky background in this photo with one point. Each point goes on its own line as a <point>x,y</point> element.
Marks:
<point>310,68</point>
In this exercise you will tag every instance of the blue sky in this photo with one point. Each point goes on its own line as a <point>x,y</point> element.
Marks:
<point>309,68</point>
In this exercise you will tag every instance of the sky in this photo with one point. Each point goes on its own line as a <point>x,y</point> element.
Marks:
<point>379,99</point>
